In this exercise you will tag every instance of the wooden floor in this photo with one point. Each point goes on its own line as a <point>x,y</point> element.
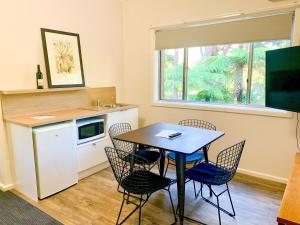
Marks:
<point>95,200</point>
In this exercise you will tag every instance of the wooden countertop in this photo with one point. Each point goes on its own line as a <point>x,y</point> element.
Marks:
<point>289,212</point>
<point>63,115</point>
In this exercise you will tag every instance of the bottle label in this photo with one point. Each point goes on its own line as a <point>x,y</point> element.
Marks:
<point>40,82</point>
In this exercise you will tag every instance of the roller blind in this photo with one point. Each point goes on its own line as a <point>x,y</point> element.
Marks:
<point>273,27</point>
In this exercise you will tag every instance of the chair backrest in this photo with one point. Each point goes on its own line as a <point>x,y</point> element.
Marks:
<point>117,164</point>
<point>128,169</point>
<point>198,124</point>
<point>117,129</point>
<point>229,158</point>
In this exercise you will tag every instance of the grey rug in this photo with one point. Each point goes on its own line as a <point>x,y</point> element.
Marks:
<point>16,211</point>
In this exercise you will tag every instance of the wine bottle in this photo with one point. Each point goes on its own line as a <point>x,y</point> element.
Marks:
<point>39,78</point>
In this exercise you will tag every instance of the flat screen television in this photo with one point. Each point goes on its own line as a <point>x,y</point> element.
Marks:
<point>283,79</point>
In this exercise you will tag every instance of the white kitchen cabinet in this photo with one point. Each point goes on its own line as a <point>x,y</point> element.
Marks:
<point>124,116</point>
<point>22,153</point>
<point>92,154</point>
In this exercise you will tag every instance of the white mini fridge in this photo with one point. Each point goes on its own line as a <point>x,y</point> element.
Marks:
<point>55,158</point>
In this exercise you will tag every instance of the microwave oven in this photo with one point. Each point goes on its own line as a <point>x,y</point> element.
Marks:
<point>89,129</point>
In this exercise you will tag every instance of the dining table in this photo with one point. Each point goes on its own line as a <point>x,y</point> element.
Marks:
<point>188,142</point>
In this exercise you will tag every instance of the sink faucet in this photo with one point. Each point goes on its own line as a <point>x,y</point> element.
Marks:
<point>99,102</point>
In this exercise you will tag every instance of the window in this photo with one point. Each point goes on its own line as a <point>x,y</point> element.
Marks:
<point>230,73</point>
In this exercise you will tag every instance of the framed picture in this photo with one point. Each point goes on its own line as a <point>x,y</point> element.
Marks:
<point>62,58</point>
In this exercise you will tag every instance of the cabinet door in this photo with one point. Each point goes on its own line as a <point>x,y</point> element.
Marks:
<point>91,155</point>
<point>130,116</point>
<point>124,116</point>
<point>112,118</point>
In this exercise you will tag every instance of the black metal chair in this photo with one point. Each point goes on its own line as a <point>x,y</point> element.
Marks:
<point>219,173</point>
<point>197,156</point>
<point>150,154</point>
<point>136,180</point>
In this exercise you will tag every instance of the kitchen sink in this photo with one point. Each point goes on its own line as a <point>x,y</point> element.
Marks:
<point>117,105</point>
<point>42,117</point>
<point>104,107</point>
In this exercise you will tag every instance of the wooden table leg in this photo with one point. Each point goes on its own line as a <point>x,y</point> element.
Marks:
<point>162,162</point>
<point>180,173</point>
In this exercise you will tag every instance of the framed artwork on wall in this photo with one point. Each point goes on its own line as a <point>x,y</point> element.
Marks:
<point>62,59</point>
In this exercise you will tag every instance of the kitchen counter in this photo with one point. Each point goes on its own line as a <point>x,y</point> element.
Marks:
<point>38,119</point>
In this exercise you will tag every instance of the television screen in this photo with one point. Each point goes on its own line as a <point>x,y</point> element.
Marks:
<point>283,79</point>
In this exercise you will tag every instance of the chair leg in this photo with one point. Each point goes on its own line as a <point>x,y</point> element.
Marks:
<point>230,199</point>
<point>201,190</point>
<point>197,193</point>
<point>210,190</point>
<point>214,204</point>
<point>120,211</point>
<point>195,189</point>
<point>218,204</point>
<point>128,201</point>
<point>174,214</point>
<point>140,210</point>
<point>167,167</point>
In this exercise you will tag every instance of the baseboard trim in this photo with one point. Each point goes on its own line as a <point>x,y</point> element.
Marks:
<point>262,175</point>
<point>6,187</point>
<point>104,165</point>
<point>91,171</point>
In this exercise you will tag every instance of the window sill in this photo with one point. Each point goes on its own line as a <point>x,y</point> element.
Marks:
<point>240,109</point>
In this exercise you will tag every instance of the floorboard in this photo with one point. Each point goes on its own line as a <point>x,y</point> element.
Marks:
<point>95,200</point>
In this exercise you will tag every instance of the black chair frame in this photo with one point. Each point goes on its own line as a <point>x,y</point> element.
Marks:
<point>142,202</point>
<point>227,160</point>
<point>120,128</point>
<point>217,195</point>
<point>136,180</point>
<point>196,123</point>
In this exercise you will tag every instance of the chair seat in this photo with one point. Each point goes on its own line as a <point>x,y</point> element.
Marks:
<point>149,156</point>
<point>197,156</point>
<point>208,173</point>
<point>144,182</point>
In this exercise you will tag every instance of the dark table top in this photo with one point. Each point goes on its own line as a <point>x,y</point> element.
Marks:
<point>191,140</point>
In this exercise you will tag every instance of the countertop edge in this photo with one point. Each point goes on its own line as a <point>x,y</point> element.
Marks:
<point>85,113</point>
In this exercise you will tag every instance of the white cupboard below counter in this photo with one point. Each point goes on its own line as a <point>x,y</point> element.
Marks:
<point>91,156</point>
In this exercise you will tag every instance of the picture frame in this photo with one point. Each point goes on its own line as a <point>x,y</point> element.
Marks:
<point>62,53</point>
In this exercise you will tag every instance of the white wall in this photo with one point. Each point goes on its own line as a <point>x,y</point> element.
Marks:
<point>271,142</point>
<point>99,23</point>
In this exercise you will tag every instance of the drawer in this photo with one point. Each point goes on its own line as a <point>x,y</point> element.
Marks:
<point>93,154</point>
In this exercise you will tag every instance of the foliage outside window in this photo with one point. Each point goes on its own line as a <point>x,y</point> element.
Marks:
<point>231,73</point>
